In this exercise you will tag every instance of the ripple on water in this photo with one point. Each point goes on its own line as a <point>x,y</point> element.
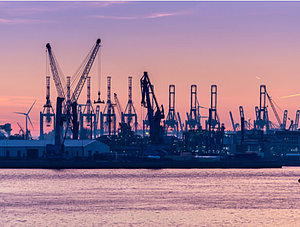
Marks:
<point>176,197</point>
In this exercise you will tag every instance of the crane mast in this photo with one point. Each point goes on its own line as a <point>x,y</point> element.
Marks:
<point>156,131</point>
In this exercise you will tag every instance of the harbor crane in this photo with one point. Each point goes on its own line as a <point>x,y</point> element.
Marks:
<point>262,116</point>
<point>296,123</point>
<point>48,111</point>
<point>284,120</point>
<point>70,106</point>
<point>213,119</point>
<point>155,112</point>
<point>108,116</point>
<point>193,118</point>
<point>171,122</point>
<point>129,115</point>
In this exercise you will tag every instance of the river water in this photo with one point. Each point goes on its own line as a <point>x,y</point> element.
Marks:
<point>167,197</point>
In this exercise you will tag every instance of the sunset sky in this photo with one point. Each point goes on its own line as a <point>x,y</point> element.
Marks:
<point>235,45</point>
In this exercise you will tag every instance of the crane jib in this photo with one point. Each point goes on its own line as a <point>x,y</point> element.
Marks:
<point>85,73</point>
<point>55,74</point>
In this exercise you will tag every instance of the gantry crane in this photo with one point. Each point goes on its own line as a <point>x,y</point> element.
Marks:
<point>213,119</point>
<point>193,118</point>
<point>108,116</point>
<point>129,115</point>
<point>284,120</point>
<point>171,121</point>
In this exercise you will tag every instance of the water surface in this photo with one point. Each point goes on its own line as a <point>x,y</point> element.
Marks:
<point>167,197</point>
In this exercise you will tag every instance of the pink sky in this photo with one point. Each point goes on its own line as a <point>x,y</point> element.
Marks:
<point>230,44</point>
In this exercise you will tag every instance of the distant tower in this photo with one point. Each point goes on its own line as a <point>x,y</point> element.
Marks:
<point>108,117</point>
<point>130,113</point>
<point>171,122</point>
<point>48,112</point>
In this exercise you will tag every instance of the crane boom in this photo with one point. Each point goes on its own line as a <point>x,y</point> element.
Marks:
<point>85,72</point>
<point>296,120</point>
<point>55,74</point>
<point>180,124</point>
<point>117,103</point>
<point>232,121</point>
<point>274,109</point>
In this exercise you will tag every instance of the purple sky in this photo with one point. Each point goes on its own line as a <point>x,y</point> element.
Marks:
<point>236,45</point>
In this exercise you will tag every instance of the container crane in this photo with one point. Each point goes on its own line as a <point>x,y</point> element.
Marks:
<point>295,126</point>
<point>284,120</point>
<point>129,115</point>
<point>155,112</point>
<point>171,121</point>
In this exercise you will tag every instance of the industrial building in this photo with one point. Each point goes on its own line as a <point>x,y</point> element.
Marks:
<point>36,149</point>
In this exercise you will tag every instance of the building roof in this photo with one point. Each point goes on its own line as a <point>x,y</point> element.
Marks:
<point>43,143</point>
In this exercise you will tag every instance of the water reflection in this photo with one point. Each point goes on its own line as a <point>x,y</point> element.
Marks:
<point>192,197</point>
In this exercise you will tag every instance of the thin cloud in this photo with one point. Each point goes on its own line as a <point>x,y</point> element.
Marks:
<point>257,77</point>
<point>108,3</point>
<point>33,10</point>
<point>23,21</point>
<point>22,10</point>
<point>13,10</point>
<point>158,15</point>
<point>15,101</point>
<point>290,96</point>
<point>115,17</point>
<point>152,16</point>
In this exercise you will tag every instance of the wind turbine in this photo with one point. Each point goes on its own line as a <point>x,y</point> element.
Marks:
<point>27,118</point>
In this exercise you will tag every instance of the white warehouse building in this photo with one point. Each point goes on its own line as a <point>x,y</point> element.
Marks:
<point>33,149</point>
